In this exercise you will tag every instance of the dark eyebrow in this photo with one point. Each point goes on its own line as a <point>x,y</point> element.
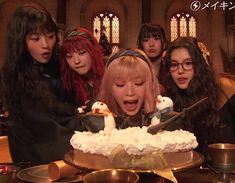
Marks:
<point>187,59</point>
<point>34,33</point>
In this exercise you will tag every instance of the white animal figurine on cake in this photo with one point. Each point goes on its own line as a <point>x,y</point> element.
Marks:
<point>163,104</point>
<point>101,108</point>
<point>80,110</point>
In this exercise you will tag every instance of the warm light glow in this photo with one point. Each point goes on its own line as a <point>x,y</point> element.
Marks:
<point>111,22</point>
<point>115,49</point>
<point>174,28</point>
<point>96,27</point>
<point>183,27</point>
<point>115,25</point>
<point>182,24</point>
<point>114,172</point>
<point>192,27</point>
<point>106,24</point>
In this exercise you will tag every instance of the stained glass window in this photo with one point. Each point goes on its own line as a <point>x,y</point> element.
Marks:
<point>182,24</point>
<point>174,28</point>
<point>115,25</point>
<point>107,24</point>
<point>192,27</point>
<point>96,27</point>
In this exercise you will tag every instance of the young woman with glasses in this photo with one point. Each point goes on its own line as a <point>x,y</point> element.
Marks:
<point>189,78</point>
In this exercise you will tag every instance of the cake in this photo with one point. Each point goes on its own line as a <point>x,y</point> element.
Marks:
<point>120,148</point>
<point>131,148</point>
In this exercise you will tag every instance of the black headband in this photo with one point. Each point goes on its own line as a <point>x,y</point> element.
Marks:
<point>126,53</point>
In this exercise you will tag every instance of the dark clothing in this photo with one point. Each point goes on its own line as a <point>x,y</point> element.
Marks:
<point>41,129</point>
<point>225,133</point>
<point>227,119</point>
<point>107,49</point>
<point>72,99</point>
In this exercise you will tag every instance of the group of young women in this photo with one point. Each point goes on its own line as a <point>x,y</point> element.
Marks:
<point>43,87</point>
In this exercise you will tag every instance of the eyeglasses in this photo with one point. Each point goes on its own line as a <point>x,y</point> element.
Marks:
<point>186,65</point>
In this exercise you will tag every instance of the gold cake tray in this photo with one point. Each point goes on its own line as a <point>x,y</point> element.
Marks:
<point>176,161</point>
<point>39,174</point>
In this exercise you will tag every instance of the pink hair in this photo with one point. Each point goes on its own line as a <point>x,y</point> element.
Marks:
<point>129,66</point>
<point>72,80</point>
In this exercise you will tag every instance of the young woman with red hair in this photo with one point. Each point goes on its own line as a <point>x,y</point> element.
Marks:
<point>82,66</point>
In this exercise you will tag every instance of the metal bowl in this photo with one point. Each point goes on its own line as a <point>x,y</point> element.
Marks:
<point>223,156</point>
<point>7,173</point>
<point>111,176</point>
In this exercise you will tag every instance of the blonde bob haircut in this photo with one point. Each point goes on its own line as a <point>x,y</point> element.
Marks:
<point>130,63</point>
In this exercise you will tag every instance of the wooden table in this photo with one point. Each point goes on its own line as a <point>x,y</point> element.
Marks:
<point>193,175</point>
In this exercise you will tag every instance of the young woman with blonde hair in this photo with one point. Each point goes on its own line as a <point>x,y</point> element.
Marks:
<point>129,86</point>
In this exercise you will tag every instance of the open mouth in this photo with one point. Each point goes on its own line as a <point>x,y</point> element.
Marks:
<point>46,55</point>
<point>131,105</point>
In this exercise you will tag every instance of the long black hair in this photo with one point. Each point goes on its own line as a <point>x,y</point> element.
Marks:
<point>203,84</point>
<point>26,19</point>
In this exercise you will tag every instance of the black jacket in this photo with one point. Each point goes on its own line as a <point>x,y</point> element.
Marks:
<point>41,129</point>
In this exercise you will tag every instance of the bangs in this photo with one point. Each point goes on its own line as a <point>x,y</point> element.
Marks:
<point>152,33</point>
<point>129,67</point>
<point>41,23</point>
<point>75,44</point>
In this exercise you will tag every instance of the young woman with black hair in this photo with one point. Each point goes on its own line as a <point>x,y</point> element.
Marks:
<point>40,125</point>
<point>190,78</point>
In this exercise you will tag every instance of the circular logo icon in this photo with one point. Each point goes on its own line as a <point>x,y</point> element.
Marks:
<point>195,5</point>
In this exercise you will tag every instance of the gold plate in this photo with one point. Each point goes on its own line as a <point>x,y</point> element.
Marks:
<point>176,161</point>
<point>39,174</point>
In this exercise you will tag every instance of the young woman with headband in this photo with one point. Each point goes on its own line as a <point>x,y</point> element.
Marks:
<point>129,87</point>
<point>82,66</point>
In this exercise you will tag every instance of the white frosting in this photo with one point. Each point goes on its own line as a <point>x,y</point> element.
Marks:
<point>135,140</point>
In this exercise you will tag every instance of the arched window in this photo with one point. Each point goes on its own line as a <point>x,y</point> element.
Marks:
<point>108,24</point>
<point>182,24</point>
